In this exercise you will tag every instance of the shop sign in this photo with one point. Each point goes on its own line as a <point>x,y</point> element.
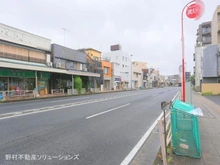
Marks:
<point>117,79</point>
<point>17,73</point>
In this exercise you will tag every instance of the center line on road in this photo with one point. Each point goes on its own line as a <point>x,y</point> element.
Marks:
<point>69,99</point>
<point>113,109</point>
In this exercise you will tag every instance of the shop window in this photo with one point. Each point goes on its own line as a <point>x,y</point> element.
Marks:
<point>3,84</point>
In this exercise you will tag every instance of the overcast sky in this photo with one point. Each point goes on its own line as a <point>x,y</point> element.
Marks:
<point>148,29</point>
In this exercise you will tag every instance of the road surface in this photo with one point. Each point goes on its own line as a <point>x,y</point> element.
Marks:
<point>97,129</point>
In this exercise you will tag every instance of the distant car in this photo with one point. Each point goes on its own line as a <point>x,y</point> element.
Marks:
<point>180,84</point>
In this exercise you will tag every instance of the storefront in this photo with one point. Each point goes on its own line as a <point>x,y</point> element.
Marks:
<point>64,81</point>
<point>43,82</point>
<point>61,81</point>
<point>20,80</point>
<point>117,83</point>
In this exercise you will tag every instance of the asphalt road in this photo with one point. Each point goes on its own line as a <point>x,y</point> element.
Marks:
<point>98,130</point>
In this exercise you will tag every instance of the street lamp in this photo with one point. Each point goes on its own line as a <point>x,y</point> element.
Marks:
<point>131,72</point>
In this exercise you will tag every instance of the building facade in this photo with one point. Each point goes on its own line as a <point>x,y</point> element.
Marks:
<point>121,65</point>
<point>204,38</point>
<point>75,64</point>
<point>204,33</point>
<point>211,69</point>
<point>107,69</point>
<point>152,78</point>
<point>94,65</point>
<point>216,26</point>
<point>137,74</point>
<point>93,54</point>
<point>211,62</point>
<point>25,62</point>
<point>198,58</point>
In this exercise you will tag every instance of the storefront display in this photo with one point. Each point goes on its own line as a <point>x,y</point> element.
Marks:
<point>42,86</point>
<point>3,84</point>
<point>17,81</point>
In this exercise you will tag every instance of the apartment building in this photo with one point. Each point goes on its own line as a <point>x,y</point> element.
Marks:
<point>204,34</point>
<point>121,66</point>
<point>216,26</point>
<point>204,38</point>
<point>211,58</point>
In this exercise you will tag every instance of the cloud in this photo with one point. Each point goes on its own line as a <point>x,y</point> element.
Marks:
<point>108,28</point>
<point>150,30</point>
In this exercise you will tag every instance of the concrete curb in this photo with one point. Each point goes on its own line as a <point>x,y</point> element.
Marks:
<point>131,156</point>
<point>55,107</point>
<point>39,98</point>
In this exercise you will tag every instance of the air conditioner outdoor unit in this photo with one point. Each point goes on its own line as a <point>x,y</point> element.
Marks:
<point>85,69</point>
<point>58,65</point>
<point>49,64</point>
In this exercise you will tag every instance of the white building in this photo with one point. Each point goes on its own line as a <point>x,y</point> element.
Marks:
<point>121,66</point>
<point>198,57</point>
<point>137,77</point>
<point>137,74</point>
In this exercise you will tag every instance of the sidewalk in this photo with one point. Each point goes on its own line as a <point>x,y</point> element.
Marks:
<point>23,98</point>
<point>209,134</point>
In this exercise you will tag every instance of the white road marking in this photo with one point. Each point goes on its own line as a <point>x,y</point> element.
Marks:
<point>68,99</point>
<point>51,108</point>
<point>113,109</point>
<point>134,151</point>
<point>137,147</point>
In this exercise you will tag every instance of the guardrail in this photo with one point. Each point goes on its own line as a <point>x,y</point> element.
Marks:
<point>16,93</point>
<point>95,90</point>
<point>164,125</point>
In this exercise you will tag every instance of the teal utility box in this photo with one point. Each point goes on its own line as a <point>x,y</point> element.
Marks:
<point>185,130</point>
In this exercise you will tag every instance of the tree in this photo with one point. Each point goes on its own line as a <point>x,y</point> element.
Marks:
<point>192,79</point>
<point>78,84</point>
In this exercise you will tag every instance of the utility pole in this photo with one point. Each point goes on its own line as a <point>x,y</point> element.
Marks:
<point>131,72</point>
